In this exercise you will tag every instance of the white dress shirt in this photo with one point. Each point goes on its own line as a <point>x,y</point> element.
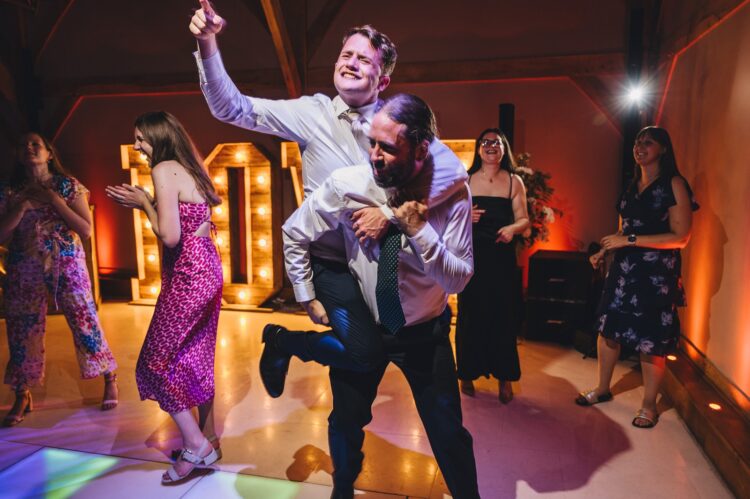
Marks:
<point>325,138</point>
<point>433,263</point>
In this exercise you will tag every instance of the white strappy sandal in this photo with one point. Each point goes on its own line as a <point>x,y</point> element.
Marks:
<point>172,477</point>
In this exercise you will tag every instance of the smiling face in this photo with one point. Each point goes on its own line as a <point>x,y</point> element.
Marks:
<point>647,151</point>
<point>33,152</point>
<point>491,148</point>
<point>358,72</point>
<point>141,145</point>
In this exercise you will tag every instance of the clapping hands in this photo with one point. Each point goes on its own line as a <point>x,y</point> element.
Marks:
<point>129,196</point>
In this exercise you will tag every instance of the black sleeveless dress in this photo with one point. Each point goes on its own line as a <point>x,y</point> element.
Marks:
<point>489,308</point>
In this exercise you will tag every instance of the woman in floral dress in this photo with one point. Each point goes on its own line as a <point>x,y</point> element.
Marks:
<point>176,364</point>
<point>643,287</point>
<point>45,213</point>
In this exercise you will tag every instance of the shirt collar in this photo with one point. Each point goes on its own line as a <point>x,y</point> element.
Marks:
<point>366,112</point>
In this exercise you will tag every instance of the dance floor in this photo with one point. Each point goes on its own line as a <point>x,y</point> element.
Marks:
<point>540,445</point>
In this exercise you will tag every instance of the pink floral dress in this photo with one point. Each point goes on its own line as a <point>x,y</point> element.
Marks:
<point>176,364</point>
<point>46,258</point>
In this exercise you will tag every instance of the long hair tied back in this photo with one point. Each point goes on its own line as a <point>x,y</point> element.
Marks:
<point>170,141</point>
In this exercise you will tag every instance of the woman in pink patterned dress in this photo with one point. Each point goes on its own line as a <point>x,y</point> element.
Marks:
<point>45,213</point>
<point>176,364</point>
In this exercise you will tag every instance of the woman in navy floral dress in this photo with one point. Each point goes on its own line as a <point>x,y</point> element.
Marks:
<point>643,287</point>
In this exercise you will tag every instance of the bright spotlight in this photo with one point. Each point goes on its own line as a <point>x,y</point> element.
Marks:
<point>636,94</point>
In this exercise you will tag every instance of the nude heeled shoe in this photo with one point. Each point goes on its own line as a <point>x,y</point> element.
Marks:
<point>23,405</point>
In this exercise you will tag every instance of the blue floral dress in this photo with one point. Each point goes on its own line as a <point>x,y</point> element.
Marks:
<point>643,287</point>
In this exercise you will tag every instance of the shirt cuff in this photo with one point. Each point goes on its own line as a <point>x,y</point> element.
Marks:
<point>209,69</point>
<point>304,292</point>
<point>424,240</point>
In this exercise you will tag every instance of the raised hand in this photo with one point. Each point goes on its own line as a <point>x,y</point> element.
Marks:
<point>206,23</point>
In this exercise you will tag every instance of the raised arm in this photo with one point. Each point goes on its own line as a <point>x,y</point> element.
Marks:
<point>205,25</point>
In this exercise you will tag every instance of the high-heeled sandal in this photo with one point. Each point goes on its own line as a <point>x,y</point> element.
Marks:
<point>213,439</point>
<point>172,477</point>
<point>110,379</point>
<point>24,407</point>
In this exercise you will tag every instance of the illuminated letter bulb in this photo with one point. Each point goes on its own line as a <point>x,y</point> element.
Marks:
<point>218,210</point>
<point>217,179</point>
<point>151,258</point>
<point>219,240</point>
<point>148,224</point>
<point>262,243</point>
<point>261,179</point>
<point>241,295</point>
<point>263,273</point>
<point>153,290</point>
<point>262,210</point>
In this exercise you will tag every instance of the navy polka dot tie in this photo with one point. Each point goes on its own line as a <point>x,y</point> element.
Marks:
<point>386,290</point>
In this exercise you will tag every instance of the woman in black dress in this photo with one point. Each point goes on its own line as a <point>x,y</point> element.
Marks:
<point>489,307</point>
<point>643,287</point>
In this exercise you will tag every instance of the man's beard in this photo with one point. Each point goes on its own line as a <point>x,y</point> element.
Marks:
<point>393,175</point>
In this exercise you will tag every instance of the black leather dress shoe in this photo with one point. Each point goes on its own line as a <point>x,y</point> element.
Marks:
<point>274,363</point>
<point>342,492</point>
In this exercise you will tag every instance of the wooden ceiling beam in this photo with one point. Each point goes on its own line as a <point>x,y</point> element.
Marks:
<point>283,45</point>
<point>707,16</point>
<point>62,10</point>
<point>415,73</point>
<point>255,7</point>
<point>600,96</point>
<point>250,81</point>
<point>320,25</point>
<point>436,72</point>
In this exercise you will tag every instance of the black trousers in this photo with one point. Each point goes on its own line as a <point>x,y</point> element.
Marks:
<point>355,341</point>
<point>424,355</point>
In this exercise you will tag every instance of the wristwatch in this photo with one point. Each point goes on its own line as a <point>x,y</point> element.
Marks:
<point>632,238</point>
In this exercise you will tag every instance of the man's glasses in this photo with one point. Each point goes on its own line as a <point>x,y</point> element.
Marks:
<point>489,142</point>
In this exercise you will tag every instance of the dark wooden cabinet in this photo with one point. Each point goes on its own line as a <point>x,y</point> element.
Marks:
<point>558,296</point>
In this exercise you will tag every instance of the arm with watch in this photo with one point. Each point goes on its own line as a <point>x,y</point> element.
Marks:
<point>680,221</point>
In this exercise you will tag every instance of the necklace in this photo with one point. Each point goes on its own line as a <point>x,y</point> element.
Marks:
<point>490,178</point>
